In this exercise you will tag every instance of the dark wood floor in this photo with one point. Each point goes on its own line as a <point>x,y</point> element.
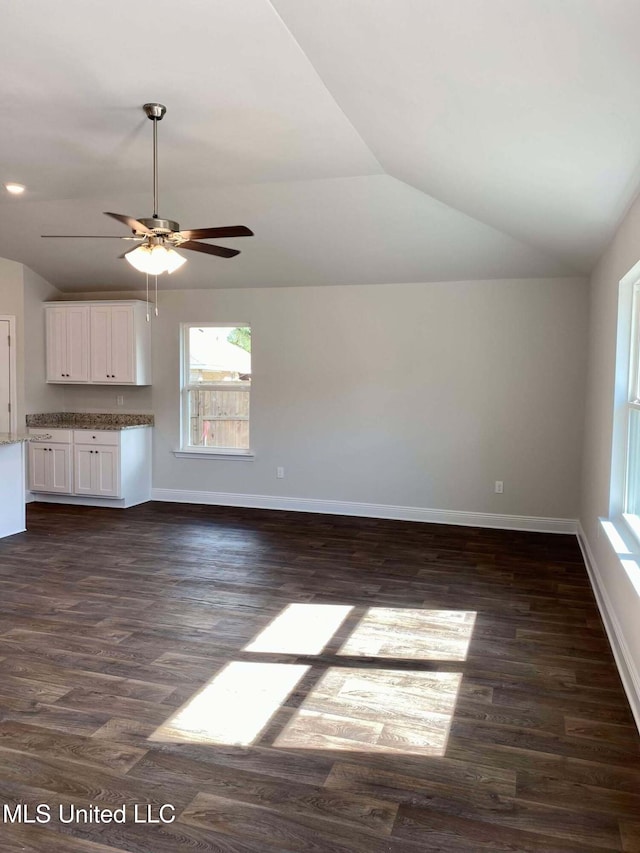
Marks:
<point>415,687</point>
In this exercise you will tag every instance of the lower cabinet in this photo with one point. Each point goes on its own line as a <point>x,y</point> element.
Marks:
<point>96,471</point>
<point>95,467</point>
<point>50,467</point>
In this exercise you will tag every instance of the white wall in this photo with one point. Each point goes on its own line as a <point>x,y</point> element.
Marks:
<point>412,395</point>
<point>12,303</point>
<point>622,254</point>
<point>38,396</point>
<point>22,293</point>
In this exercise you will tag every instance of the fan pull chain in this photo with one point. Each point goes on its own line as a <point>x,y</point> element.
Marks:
<point>156,295</point>
<point>147,277</point>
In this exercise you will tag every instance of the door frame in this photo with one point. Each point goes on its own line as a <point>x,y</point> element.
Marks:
<point>13,387</point>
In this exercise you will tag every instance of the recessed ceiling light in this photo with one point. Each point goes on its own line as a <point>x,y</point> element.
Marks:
<point>15,189</point>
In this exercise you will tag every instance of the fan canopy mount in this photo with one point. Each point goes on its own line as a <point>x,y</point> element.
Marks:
<point>154,111</point>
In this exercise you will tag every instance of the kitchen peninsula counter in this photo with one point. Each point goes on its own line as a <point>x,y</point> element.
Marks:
<point>12,479</point>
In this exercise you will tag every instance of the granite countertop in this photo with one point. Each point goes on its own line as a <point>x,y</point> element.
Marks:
<point>12,438</point>
<point>82,420</point>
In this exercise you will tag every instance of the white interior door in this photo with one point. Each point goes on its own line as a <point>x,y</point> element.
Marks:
<point>5,377</point>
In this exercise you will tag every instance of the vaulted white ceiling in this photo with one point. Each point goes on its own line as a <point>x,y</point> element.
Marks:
<point>363,141</point>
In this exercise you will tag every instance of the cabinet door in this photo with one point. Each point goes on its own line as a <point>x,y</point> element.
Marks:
<point>38,468</point>
<point>83,479</point>
<point>68,343</point>
<point>122,344</point>
<point>77,343</point>
<point>50,468</point>
<point>101,344</point>
<point>60,471</point>
<point>106,464</point>
<point>56,344</point>
<point>97,471</point>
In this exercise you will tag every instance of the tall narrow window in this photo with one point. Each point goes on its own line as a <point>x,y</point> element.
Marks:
<point>632,480</point>
<point>216,386</point>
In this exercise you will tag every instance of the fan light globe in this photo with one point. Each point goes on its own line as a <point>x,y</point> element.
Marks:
<point>174,261</point>
<point>155,260</point>
<point>14,189</point>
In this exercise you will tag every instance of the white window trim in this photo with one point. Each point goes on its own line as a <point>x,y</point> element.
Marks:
<point>228,454</point>
<point>188,451</point>
<point>627,378</point>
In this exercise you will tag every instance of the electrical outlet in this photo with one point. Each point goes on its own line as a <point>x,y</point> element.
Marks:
<point>499,487</point>
<point>119,400</point>
<point>280,473</point>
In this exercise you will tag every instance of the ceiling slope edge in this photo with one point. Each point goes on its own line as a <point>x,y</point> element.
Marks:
<point>551,257</point>
<point>568,265</point>
<point>312,67</point>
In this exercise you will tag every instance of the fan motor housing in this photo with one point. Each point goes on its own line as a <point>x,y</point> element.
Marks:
<point>160,226</point>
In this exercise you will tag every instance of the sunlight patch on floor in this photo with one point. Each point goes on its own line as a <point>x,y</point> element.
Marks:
<point>348,708</point>
<point>300,629</point>
<point>376,710</point>
<point>235,706</point>
<point>389,632</point>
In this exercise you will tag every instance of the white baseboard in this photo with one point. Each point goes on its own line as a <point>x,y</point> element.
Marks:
<point>82,500</point>
<point>627,668</point>
<point>367,510</point>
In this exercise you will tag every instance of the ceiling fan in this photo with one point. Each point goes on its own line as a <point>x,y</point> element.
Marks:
<point>158,238</point>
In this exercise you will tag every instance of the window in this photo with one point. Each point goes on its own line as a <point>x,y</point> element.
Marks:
<point>624,508</point>
<point>632,478</point>
<point>216,387</point>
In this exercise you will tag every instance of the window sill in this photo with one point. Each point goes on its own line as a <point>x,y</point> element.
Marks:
<point>215,453</point>
<point>622,539</point>
<point>619,533</point>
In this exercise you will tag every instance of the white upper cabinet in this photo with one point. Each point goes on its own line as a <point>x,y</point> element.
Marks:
<point>113,344</point>
<point>67,343</point>
<point>105,343</point>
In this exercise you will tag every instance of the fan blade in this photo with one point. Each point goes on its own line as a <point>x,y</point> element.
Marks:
<point>92,236</point>
<point>208,250</point>
<point>228,231</point>
<point>131,222</point>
